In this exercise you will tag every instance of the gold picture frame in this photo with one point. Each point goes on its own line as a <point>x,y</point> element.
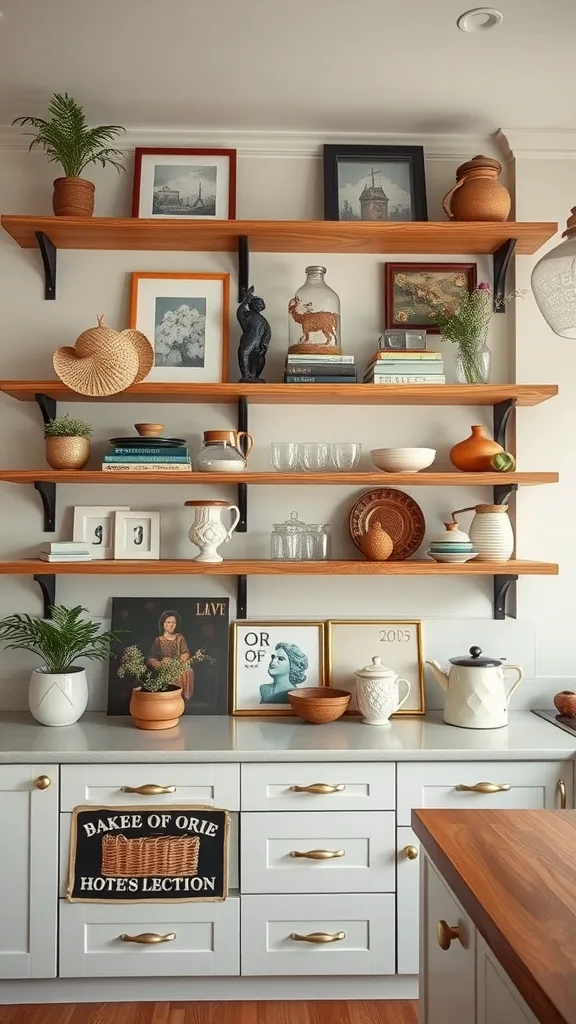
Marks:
<point>344,658</point>
<point>298,664</point>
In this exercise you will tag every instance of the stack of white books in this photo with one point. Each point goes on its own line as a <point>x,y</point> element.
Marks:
<point>65,551</point>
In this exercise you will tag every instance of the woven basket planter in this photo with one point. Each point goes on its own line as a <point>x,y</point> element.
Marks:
<point>160,856</point>
<point>73,197</point>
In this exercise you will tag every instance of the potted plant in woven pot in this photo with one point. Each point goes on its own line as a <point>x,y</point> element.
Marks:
<point>67,140</point>
<point>157,702</point>
<point>58,692</point>
<point>67,442</point>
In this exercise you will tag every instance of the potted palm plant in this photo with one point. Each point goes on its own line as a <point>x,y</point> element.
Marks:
<point>67,442</point>
<point>58,692</point>
<point>67,140</point>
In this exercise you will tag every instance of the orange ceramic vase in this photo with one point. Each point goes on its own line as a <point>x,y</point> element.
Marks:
<point>474,454</point>
<point>156,710</point>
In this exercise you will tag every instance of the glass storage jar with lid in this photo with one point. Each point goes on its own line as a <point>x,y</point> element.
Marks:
<point>295,541</point>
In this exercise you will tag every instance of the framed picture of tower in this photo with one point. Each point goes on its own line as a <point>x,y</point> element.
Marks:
<point>189,184</point>
<point>374,183</point>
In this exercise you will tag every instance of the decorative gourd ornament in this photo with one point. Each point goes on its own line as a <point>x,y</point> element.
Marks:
<point>104,361</point>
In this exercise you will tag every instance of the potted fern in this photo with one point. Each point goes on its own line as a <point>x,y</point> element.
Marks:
<point>67,140</point>
<point>67,442</point>
<point>58,692</point>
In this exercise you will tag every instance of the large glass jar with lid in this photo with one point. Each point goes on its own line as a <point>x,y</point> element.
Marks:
<point>554,284</point>
<point>314,316</point>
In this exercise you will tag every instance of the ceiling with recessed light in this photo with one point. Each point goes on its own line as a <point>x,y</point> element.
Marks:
<point>300,65</point>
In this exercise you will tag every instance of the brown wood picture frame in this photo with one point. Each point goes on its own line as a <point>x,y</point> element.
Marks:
<point>391,273</point>
<point>141,153</point>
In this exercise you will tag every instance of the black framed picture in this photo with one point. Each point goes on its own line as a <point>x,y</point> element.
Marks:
<point>158,630</point>
<point>374,183</point>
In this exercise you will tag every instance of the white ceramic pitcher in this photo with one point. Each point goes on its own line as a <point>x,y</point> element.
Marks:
<point>208,531</point>
<point>377,693</point>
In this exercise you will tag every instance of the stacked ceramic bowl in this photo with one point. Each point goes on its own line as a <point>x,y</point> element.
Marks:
<point>452,546</point>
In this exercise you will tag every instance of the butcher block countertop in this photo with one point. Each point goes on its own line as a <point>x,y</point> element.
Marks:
<point>514,872</point>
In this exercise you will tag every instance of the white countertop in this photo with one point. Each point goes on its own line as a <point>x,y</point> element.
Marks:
<point>97,738</point>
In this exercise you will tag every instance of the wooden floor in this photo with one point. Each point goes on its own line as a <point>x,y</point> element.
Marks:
<point>383,1012</point>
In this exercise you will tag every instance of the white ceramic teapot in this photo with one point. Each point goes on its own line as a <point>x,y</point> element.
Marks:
<point>476,696</point>
<point>377,693</point>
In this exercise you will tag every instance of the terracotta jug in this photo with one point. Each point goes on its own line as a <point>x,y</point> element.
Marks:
<point>474,454</point>
<point>377,545</point>
<point>477,194</point>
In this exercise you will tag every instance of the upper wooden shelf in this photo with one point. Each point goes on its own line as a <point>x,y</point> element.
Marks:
<point>451,479</point>
<point>443,237</point>
<point>296,394</point>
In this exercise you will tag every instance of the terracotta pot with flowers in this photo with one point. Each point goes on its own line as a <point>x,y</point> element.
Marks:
<point>67,442</point>
<point>157,703</point>
<point>67,140</point>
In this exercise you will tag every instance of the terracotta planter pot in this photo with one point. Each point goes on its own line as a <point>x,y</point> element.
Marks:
<point>565,703</point>
<point>67,452</point>
<point>156,710</point>
<point>73,197</point>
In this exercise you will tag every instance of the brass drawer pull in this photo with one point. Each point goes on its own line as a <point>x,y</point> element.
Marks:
<point>561,794</point>
<point>318,938</point>
<point>317,787</point>
<point>319,854</point>
<point>42,782</point>
<point>446,934</point>
<point>149,790</point>
<point>149,938</point>
<point>485,787</point>
<point>411,852</point>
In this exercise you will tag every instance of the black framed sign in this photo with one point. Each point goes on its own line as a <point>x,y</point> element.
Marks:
<point>374,183</point>
<point>148,855</point>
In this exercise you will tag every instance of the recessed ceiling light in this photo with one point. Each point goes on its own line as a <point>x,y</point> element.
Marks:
<point>479,19</point>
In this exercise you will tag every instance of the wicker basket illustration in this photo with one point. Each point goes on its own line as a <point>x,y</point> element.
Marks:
<point>161,856</point>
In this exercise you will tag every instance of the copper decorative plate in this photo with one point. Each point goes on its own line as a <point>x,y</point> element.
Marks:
<point>398,514</point>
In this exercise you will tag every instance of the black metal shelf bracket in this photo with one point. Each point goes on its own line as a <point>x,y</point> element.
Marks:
<point>502,585</point>
<point>47,584</point>
<point>500,260</point>
<point>48,252</point>
<point>243,266</point>
<point>241,597</point>
<point>47,492</point>
<point>47,406</point>
<point>503,493</point>
<point>242,488</point>
<point>502,414</point>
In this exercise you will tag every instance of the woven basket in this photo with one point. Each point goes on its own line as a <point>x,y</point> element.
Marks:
<point>73,197</point>
<point>160,856</point>
<point>104,361</point>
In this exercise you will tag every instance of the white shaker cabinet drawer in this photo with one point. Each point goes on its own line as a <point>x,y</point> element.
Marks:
<point>320,935</point>
<point>488,785</point>
<point>318,787</point>
<point>186,939</point>
<point>318,853</point>
<point>106,784</point>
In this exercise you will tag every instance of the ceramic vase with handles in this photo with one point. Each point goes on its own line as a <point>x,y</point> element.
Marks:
<point>490,532</point>
<point>208,531</point>
<point>477,194</point>
<point>377,693</point>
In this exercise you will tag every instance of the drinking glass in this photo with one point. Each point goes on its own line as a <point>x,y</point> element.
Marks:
<point>346,455</point>
<point>314,456</point>
<point>284,456</point>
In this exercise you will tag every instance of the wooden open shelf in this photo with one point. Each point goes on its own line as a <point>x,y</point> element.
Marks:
<point>453,479</point>
<point>279,236</point>
<point>261,567</point>
<point>295,394</point>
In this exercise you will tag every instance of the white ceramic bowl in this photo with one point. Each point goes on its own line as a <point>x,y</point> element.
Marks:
<point>453,557</point>
<point>402,460</point>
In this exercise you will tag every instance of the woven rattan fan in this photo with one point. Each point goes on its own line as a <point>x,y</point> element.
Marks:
<point>104,361</point>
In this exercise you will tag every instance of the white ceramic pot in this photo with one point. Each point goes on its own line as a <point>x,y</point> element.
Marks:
<point>58,698</point>
<point>208,531</point>
<point>377,693</point>
<point>491,533</point>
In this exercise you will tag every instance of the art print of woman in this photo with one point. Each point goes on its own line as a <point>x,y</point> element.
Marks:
<point>170,643</point>
<point>287,669</point>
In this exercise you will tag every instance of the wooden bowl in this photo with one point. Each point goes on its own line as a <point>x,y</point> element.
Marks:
<point>565,703</point>
<point>149,429</point>
<point>319,704</point>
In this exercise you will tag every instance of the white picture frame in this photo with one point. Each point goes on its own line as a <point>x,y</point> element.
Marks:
<point>270,658</point>
<point>136,535</point>
<point>352,643</point>
<point>94,526</point>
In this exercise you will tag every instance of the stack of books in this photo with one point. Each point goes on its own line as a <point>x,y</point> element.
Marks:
<point>65,551</point>
<point>415,366</point>
<point>149,458</point>
<point>319,369</point>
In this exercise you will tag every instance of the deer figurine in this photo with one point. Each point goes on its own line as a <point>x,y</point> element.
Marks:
<point>322,322</point>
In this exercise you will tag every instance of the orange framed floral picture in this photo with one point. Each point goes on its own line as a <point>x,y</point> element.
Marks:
<point>413,290</point>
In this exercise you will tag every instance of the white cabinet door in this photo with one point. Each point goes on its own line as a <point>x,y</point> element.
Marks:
<point>407,901</point>
<point>498,1000</point>
<point>29,872</point>
<point>106,784</point>
<point>323,786</point>
<point>447,976</point>
<point>523,785</point>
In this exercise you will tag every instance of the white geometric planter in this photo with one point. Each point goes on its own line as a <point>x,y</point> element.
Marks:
<point>58,699</point>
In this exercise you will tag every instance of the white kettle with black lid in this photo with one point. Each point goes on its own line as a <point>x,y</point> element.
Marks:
<point>476,693</point>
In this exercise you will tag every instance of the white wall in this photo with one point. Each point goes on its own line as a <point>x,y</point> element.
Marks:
<point>456,612</point>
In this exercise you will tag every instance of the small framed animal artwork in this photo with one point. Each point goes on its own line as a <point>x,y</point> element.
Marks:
<point>94,526</point>
<point>137,535</point>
